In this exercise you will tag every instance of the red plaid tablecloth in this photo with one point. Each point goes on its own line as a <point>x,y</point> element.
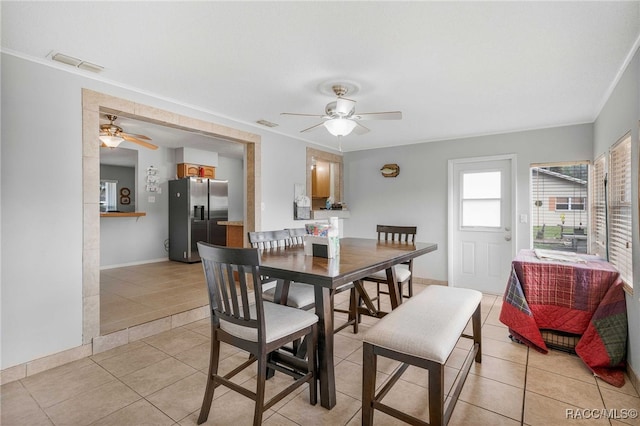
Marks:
<point>585,298</point>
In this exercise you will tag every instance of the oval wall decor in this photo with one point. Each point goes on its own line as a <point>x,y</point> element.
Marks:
<point>390,170</point>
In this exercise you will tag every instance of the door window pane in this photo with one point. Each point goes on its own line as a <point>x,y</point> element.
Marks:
<point>481,199</point>
<point>481,185</point>
<point>481,213</point>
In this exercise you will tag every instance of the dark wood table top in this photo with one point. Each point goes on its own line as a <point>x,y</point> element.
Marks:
<point>359,257</point>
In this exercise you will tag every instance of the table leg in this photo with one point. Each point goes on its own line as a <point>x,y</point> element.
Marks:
<point>324,311</point>
<point>394,293</point>
<point>282,292</point>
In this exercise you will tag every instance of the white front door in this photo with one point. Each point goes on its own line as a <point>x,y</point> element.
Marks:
<point>481,233</point>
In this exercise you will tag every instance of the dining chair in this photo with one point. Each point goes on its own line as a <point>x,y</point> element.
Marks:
<point>403,271</point>
<point>297,235</point>
<point>240,317</point>
<point>300,295</point>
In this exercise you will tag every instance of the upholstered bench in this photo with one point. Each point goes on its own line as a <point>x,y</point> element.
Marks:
<point>423,332</point>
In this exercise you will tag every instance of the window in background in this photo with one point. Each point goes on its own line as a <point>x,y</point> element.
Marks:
<point>108,195</point>
<point>559,193</point>
<point>619,203</point>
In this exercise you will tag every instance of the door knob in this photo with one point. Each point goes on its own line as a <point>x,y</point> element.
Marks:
<point>507,237</point>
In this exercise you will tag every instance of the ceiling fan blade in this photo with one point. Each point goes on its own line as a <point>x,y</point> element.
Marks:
<point>312,127</point>
<point>389,115</point>
<point>147,138</point>
<point>344,106</point>
<point>360,129</point>
<point>302,115</point>
<point>138,141</point>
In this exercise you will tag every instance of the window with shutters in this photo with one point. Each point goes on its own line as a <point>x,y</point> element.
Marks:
<point>598,208</point>
<point>619,203</point>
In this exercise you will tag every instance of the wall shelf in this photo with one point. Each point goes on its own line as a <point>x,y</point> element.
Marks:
<point>122,214</point>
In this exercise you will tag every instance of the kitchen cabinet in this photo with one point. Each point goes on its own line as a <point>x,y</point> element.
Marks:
<point>186,170</point>
<point>321,180</point>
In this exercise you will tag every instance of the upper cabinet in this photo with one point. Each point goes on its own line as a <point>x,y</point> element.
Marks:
<point>321,180</point>
<point>324,177</point>
<point>187,170</point>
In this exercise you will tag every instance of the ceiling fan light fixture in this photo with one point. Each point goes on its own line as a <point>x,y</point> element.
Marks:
<point>340,126</point>
<point>111,141</point>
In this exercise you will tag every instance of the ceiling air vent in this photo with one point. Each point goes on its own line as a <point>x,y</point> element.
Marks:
<point>77,63</point>
<point>267,123</point>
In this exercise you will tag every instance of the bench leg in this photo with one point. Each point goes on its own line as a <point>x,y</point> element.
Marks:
<point>436,394</point>
<point>477,332</point>
<point>369,368</point>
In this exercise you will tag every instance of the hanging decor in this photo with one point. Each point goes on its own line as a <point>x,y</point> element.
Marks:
<point>390,170</point>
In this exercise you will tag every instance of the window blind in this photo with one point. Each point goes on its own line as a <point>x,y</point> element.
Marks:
<point>598,208</point>
<point>620,209</point>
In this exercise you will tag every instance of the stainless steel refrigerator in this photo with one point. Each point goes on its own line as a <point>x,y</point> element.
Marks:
<point>196,205</point>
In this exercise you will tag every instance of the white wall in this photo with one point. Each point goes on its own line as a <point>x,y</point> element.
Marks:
<point>131,240</point>
<point>41,205</point>
<point>418,196</point>
<point>232,169</point>
<point>621,114</point>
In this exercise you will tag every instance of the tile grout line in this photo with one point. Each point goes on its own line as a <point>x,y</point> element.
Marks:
<point>524,390</point>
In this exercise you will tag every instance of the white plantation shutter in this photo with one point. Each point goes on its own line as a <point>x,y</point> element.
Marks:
<point>620,209</point>
<point>598,208</point>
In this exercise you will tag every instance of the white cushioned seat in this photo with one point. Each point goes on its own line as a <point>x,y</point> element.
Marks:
<point>428,325</point>
<point>300,295</point>
<point>279,321</point>
<point>402,274</point>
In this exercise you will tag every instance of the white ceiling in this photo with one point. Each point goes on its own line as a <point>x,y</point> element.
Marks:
<point>454,69</point>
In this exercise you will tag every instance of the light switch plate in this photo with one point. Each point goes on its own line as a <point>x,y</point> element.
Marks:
<point>152,199</point>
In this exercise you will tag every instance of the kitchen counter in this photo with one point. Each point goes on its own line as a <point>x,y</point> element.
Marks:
<point>326,214</point>
<point>235,232</point>
<point>231,223</point>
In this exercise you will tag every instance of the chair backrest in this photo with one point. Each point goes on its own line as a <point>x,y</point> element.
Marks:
<point>297,234</point>
<point>269,239</point>
<point>230,300</point>
<point>397,233</point>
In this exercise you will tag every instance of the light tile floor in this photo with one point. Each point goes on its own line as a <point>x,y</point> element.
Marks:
<point>160,380</point>
<point>134,295</point>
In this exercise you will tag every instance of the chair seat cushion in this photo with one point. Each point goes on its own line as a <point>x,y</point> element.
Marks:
<point>402,274</point>
<point>300,295</point>
<point>280,321</point>
<point>429,324</point>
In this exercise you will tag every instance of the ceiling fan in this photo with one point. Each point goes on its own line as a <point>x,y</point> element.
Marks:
<point>341,117</point>
<point>111,135</point>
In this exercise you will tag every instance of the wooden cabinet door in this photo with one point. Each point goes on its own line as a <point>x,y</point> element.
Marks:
<point>320,180</point>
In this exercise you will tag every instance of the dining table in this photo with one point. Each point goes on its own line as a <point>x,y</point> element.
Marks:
<point>357,259</point>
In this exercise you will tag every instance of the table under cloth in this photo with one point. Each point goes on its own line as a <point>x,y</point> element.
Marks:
<point>584,297</point>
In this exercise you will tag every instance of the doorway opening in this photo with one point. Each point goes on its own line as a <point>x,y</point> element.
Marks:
<point>94,103</point>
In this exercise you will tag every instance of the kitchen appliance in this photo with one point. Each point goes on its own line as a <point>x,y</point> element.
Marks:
<point>196,205</point>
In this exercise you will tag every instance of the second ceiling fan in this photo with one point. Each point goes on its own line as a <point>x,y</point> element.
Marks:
<point>111,135</point>
<point>341,117</point>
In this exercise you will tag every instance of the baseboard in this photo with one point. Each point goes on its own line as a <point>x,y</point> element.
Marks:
<point>429,281</point>
<point>142,262</point>
<point>634,378</point>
